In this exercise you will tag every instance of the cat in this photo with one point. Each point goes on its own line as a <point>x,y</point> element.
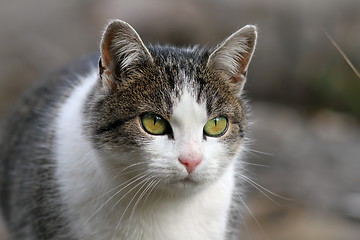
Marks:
<point>141,142</point>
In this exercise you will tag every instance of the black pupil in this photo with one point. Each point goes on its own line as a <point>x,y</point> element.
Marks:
<point>156,118</point>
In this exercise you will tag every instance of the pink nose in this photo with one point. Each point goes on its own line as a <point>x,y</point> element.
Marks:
<point>189,163</point>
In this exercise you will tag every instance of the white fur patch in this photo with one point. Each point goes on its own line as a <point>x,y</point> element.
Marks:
<point>77,171</point>
<point>187,122</point>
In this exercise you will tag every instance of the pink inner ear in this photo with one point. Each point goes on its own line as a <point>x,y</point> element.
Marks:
<point>239,77</point>
<point>105,51</point>
<point>241,72</point>
<point>235,79</point>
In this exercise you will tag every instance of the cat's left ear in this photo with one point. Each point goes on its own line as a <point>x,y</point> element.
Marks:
<point>233,56</point>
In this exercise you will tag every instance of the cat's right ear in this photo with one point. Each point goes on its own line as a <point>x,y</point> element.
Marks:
<point>122,50</point>
<point>233,56</point>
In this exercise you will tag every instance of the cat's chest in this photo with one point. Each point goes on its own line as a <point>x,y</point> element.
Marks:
<point>200,217</point>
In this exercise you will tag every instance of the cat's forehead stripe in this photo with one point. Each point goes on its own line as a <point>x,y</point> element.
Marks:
<point>188,118</point>
<point>189,109</point>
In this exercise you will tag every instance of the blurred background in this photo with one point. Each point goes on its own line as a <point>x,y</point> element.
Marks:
<point>305,98</point>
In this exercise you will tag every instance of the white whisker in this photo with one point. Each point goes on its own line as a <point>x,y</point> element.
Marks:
<point>260,152</point>
<point>149,193</point>
<point>123,196</point>
<point>131,180</point>
<point>262,189</point>
<point>255,164</point>
<point>148,186</point>
<point>251,213</point>
<point>144,184</point>
<point>132,199</point>
<point>130,166</point>
<point>120,185</point>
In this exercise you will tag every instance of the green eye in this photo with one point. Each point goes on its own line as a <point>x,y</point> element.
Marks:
<point>154,124</point>
<point>216,127</point>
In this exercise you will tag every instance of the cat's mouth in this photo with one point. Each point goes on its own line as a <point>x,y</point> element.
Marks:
<point>188,179</point>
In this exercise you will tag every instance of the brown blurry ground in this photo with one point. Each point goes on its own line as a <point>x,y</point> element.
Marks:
<point>306,100</point>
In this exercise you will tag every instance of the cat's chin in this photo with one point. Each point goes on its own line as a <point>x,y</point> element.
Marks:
<point>187,182</point>
<point>184,185</point>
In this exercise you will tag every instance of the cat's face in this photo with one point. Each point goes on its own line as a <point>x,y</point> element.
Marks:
<point>173,116</point>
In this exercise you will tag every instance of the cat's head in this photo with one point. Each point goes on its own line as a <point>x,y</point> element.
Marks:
<point>170,115</point>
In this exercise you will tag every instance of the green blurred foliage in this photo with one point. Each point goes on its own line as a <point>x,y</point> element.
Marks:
<point>337,86</point>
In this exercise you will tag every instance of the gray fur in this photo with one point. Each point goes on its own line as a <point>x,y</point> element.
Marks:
<point>133,79</point>
<point>29,196</point>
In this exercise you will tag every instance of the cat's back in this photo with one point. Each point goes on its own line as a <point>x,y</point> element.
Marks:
<point>25,148</point>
